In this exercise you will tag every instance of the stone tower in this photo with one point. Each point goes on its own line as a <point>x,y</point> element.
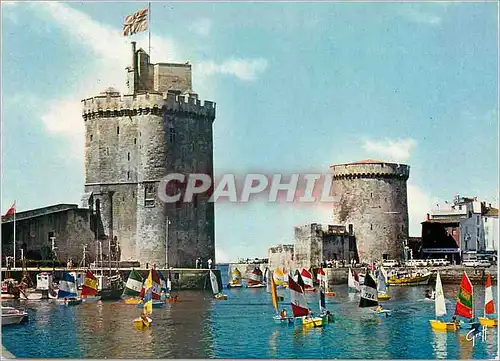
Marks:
<point>373,202</point>
<point>131,142</point>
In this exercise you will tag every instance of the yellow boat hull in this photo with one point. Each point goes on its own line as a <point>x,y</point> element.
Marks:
<point>383,297</point>
<point>139,323</point>
<point>312,322</point>
<point>132,301</point>
<point>443,326</point>
<point>488,322</point>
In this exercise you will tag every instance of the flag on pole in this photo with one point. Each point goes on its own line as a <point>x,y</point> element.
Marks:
<point>11,210</point>
<point>136,23</point>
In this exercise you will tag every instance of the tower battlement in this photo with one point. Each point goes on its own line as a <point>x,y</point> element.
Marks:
<point>116,105</point>
<point>370,169</point>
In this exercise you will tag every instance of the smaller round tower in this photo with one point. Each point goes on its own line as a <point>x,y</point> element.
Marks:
<point>373,199</point>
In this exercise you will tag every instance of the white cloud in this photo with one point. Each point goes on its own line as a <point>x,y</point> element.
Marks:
<point>201,27</point>
<point>391,150</point>
<point>428,13</point>
<point>419,204</point>
<point>244,69</point>
<point>221,256</point>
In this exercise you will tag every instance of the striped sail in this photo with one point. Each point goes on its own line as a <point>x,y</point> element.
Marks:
<point>67,287</point>
<point>255,277</point>
<point>89,287</point>
<point>321,276</point>
<point>134,284</point>
<point>214,282</point>
<point>279,276</point>
<point>368,292</point>
<point>307,278</point>
<point>489,304</point>
<point>163,282</point>
<point>236,277</point>
<point>297,299</point>
<point>148,294</point>
<point>465,298</point>
<point>353,280</point>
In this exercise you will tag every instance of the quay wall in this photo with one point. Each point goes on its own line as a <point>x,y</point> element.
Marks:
<point>181,278</point>
<point>337,276</point>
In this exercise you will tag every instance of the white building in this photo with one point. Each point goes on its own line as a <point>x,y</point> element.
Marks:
<point>490,221</point>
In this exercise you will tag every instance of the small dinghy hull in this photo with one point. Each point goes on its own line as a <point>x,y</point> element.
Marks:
<point>488,322</point>
<point>140,324</point>
<point>443,326</point>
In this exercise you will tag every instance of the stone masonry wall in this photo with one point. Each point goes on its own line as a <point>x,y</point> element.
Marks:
<point>373,197</point>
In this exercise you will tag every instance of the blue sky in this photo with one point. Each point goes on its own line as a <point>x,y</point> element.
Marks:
<point>298,87</point>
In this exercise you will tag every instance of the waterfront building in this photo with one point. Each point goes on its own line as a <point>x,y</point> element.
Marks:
<point>131,142</point>
<point>316,243</point>
<point>460,229</point>
<point>66,228</point>
<point>281,255</point>
<point>373,200</point>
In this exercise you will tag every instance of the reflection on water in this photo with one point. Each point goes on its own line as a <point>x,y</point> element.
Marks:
<point>439,344</point>
<point>242,327</point>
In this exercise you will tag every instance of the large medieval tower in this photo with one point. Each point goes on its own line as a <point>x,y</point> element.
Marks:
<point>131,143</point>
<point>374,202</point>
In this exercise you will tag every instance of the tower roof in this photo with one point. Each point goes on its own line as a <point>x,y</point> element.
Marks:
<point>110,90</point>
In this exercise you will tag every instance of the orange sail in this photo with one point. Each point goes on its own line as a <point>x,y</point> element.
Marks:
<point>465,305</point>
<point>89,287</point>
<point>274,293</point>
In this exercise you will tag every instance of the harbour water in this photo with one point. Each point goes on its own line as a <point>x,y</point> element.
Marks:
<point>242,327</point>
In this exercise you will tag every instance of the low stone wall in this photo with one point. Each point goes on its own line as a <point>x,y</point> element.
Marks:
<point>449,275</point>
<point>182,278</point>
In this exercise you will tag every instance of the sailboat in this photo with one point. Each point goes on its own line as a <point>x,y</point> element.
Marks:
<point>369,296</point>
<point>353,281</point>
<point>144,321</point>
<point>274,297</point>
<point>236,279</point>
<point>382,288</point>
<point>440,305</point>
<point>323,282</point>
<point>308,280</point>
<point>489,306</point>
<point>465,303</point>
<point>68,294</point>
<point>255,280</point>
<point>155,291</point>
<point>300,308</point>
<point>215,287</point>
<point>89,288</point>
<point>133,288</point>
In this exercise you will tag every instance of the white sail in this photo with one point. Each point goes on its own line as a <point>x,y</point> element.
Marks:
<point>213,281</point>
<point>384,273</point>
<point>351,281</point>
<point>381,286</point>
<point>440,302</point>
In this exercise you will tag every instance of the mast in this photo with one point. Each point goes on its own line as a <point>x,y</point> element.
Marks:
<point>15,210</point>
<point>149,28</point>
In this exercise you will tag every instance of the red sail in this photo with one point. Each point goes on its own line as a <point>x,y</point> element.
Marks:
<point>298,301</point>
<point>89,287</point>
<point>489,304</point>
<point>465,298</point>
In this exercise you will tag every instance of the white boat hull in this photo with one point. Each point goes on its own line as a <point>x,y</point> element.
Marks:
<point>12,319</point>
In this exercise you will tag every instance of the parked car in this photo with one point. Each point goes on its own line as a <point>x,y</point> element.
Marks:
<point>469,263</point>
<point>483,263</point>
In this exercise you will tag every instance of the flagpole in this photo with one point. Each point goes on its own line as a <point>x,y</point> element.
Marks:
<point>15,205</point>
<point>149,28</point>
